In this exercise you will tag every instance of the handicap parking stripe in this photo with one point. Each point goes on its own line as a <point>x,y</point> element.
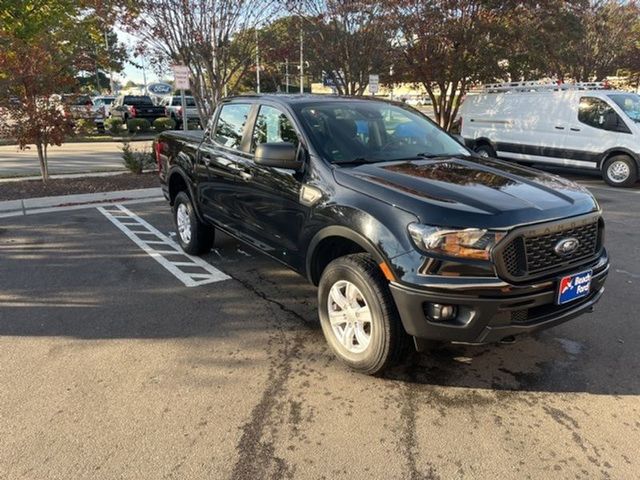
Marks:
<point>157,245</point>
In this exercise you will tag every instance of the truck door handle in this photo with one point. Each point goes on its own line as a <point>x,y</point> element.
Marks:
<point>206,159</point>
<point>559,128</point>
<point>575,129</point>
<point>246,176</point>
<point>235,167</point>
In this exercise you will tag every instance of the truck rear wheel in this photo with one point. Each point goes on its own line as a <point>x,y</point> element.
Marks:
<point>194,237</point>
<point>620,171</point>
<point>358,316</point>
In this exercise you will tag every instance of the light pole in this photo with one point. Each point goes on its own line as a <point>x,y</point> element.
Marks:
<point>301,62</point>
<point>257,64</point>
<point>286,73</point>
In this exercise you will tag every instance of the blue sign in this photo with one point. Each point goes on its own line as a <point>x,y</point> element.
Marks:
<point>160,88</point>
<point>574,286</point>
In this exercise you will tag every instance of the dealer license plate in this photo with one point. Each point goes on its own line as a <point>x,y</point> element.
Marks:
<point>573,287</point>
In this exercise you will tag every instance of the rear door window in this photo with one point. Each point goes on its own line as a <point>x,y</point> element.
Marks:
<point>273,126</point>
<point>230,126</point>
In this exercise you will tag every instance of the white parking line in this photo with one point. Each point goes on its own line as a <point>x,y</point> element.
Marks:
<point>166,246</point>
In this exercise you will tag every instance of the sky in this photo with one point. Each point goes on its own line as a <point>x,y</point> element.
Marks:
<point>132,72</point>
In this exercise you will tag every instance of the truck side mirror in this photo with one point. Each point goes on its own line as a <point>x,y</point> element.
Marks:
<point>279,155</point>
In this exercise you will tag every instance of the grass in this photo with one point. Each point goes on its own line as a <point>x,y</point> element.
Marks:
<point>104,137</point>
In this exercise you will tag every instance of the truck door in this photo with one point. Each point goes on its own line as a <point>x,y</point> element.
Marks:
<point>220,158</point>
<point>273,216</point>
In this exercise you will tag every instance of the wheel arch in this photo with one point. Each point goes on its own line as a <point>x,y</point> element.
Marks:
<point>483,141</point>
<point>619,151</point>
<point>177,181</point>
<point>333,242</point>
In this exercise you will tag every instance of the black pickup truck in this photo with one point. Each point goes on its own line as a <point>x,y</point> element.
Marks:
<point>126,107</point>
<point>406,232</point>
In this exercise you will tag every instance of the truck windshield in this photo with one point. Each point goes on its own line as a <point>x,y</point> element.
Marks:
<point>629,103</point>
<point>367,132</point>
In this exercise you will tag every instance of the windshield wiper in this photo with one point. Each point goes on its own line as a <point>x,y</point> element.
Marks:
<point>355,161</point>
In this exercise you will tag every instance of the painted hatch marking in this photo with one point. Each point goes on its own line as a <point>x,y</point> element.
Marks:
<point>158,246</point>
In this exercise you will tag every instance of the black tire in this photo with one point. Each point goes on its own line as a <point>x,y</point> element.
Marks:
<point>608,172</point>
<point>201,236</point>
<point>388,341</point>
<point>485,150</point>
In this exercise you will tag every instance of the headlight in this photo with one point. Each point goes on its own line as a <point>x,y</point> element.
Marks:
<point>468,243</point>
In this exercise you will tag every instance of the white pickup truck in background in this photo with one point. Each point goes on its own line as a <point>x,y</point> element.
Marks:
<point>173,109</point>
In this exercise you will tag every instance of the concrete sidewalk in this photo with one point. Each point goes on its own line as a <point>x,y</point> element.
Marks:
<point>30,206</point>
<point>68,158</point>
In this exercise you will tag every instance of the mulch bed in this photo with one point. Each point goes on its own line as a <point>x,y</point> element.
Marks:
<point>67,186</point>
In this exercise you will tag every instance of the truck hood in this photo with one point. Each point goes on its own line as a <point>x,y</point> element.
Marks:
<point>465,192</point>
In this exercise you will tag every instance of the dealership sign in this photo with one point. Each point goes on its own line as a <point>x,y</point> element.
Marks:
<point>181,76</point>
<point>160,88</point>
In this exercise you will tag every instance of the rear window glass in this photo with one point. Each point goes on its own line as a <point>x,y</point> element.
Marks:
<point>230,126</point>
<point>177,102</point>
<point>138,100</point>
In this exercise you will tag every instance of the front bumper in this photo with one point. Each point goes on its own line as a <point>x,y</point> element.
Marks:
<point>494,314</point>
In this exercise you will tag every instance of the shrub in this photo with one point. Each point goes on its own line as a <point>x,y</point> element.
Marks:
<point>114,125</point>
<point>137,160</point>
<point>135,125</point>
<point>163,123</point>
<point>82,126</point>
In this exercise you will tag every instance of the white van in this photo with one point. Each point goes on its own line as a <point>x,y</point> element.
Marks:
<point>573,127</point>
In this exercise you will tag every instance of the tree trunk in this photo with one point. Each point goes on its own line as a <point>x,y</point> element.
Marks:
<point>42,157</point>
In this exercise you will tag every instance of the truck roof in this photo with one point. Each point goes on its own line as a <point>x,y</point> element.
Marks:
<point>290,98</point>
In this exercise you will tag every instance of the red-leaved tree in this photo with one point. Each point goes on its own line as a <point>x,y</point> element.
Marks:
<point>30,73</point>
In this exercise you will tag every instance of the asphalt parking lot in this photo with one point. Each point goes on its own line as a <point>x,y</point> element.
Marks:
<point>113,368</point>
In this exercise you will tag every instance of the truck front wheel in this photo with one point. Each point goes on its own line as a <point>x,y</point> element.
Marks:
<point>194,237</point>
<point>358,315</point>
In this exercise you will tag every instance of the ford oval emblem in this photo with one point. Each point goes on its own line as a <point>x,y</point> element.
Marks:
<point>566,246</point>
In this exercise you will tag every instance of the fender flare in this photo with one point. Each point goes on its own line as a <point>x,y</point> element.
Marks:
<point>178,170</point>
<point>344,232</point>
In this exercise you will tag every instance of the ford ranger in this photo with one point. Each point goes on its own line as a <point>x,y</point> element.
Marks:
<point>407,234</point>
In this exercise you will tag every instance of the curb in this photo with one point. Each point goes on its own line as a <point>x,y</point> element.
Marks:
<point>30,206</point>
<point>30,178</point>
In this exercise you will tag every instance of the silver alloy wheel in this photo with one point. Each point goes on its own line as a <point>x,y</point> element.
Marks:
<point>350,316</point>
<point>618,171</point>
<point>184,223</point>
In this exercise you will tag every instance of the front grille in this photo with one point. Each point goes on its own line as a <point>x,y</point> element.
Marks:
<point>540,253</point>
<point>529,255</point>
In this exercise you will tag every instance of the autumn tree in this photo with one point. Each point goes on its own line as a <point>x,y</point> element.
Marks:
<point>542,37</point>
<point>448,45</point>
<point>208,36</point>
<point>347,40</point>
<point>29,112</point>
<point>608,43</point>
<point>43,47</point>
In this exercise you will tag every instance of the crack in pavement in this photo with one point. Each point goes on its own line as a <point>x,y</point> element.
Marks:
<point>257,457</point>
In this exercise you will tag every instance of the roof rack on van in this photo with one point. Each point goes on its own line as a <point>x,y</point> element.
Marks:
<point>536,86</point>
